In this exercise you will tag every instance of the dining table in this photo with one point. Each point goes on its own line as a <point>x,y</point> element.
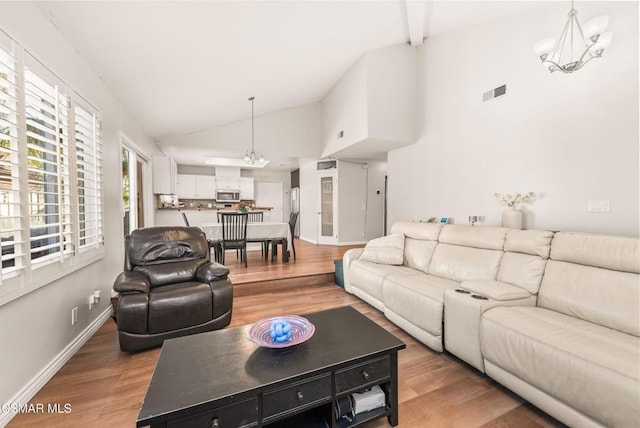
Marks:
<point>256,231</point>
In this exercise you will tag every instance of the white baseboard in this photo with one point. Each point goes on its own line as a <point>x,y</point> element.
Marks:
<point>39,380</point>
<point>311,241</point>
<point>353,243</point>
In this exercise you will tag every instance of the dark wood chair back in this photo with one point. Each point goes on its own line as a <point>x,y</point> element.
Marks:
<point>234,227</point>
<point>234,234</point>
<point>256,217</point>
<point>293,219</point>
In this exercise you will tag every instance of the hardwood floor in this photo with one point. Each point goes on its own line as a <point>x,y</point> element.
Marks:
<point>105,387</point>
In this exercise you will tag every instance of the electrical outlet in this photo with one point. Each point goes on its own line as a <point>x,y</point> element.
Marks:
<point>74,316</point>
<point>94,298</point>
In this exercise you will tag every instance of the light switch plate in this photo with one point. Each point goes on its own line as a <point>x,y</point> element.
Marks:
<point>601,206</point>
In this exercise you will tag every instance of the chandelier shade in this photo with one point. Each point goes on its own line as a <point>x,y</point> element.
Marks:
<point>584,43</point>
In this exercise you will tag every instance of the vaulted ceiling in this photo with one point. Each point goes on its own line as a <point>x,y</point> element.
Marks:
<point>180,66</point>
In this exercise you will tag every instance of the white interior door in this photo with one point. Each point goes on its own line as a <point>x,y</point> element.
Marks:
<point>328,208</point>
<point>270,194</point>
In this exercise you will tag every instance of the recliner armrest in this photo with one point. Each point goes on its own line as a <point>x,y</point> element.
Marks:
<point>212,272</point>
<point>496,290</point>
<point>131,281</point>
<point>348,257</point>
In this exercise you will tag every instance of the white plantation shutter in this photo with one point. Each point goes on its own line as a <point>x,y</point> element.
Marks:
<point>48,167</point>
<point>51,202</point>
<point>88,145</point>
<point>12,233</point>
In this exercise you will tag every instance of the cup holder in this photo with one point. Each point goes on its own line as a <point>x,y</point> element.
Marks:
<point>461,291</point>
<point>475,296</point>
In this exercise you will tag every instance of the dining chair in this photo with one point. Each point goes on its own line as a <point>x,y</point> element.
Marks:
<point>234,234</point>
<point>293,219</point>
<point>212,244</point>
<point>258,217</point>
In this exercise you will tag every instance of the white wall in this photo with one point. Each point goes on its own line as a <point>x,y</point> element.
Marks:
<point>36,327</point>
<point>570,138</point>
<point>266,175</point>
<point>392,78</point>
<point>294,130</point>
<point>360,208</point>
<point>308,217</point>
<point>374,104</point>
<point>344,108</point>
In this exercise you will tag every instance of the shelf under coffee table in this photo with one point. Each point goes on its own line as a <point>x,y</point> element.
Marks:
<point>220,379</point>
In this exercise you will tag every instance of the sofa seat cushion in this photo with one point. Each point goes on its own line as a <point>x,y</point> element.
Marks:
<point>368,276</point>
<point>594,369</point>
<point>176,306</point>
<point>418,299</point>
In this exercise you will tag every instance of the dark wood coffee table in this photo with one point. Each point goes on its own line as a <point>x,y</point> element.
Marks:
<point>220,379</point>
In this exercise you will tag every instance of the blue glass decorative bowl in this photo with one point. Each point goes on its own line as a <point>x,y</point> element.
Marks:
<point>301,331</point>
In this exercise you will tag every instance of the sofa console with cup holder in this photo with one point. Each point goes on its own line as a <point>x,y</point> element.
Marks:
<point>555,317</point>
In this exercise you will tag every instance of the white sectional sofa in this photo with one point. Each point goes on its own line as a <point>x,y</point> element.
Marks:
<point>553,317</point>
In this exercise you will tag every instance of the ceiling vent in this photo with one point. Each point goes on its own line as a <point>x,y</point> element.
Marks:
<point>494,93</point>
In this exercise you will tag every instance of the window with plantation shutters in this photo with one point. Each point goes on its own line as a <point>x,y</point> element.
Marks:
<point>48,170</point>
<point>11,226</point>
<point>88,155</point>
<point>51,210</point>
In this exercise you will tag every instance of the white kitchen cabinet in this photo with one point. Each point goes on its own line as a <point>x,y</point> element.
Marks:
<point>206,186</point>
<point>190,186</point>
<point>164,175</point>
<point>247,188</point>
<point>186,186</point>
<point>227,183</point>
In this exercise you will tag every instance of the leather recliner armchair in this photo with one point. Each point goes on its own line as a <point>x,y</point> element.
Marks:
<point>169,288</point>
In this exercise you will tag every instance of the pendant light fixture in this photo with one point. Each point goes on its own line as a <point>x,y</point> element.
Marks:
<point>251,157</point>
<point>590,41</point>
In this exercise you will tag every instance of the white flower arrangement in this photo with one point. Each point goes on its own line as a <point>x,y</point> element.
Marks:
<point>514,200</point>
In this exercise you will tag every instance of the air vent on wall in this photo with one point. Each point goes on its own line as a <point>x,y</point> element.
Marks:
<point>494,93</point>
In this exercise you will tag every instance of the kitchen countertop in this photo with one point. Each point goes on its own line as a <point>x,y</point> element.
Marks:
<point>214,208</point>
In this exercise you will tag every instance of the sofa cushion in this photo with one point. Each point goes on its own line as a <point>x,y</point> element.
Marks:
<point>158,244</point>
<point>534,242</point>
<point>418,253</point>
<point>491,238</point>
<point>460,263</point>
<point>495,290</point>
<point>387,250</point>
<point>417,298</point>
<point>522,270</point>
<point>602,296</point>
<point>368,276</point>
<point>417,230</point>
<point>609,252</point>
<point>591,368</point>
<point>170,272</point>
<point>167,306</point>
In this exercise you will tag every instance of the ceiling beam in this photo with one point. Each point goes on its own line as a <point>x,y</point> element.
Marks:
<point>415,20</point>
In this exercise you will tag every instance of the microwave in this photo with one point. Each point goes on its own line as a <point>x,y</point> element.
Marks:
<point>228,196</point>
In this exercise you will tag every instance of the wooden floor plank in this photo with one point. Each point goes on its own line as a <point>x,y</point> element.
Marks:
<point>105,387</point>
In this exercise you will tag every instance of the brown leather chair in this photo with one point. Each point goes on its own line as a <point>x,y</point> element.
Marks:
<point>169,288</point>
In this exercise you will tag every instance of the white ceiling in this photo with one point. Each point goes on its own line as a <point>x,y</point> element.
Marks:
<point>181,66</point>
